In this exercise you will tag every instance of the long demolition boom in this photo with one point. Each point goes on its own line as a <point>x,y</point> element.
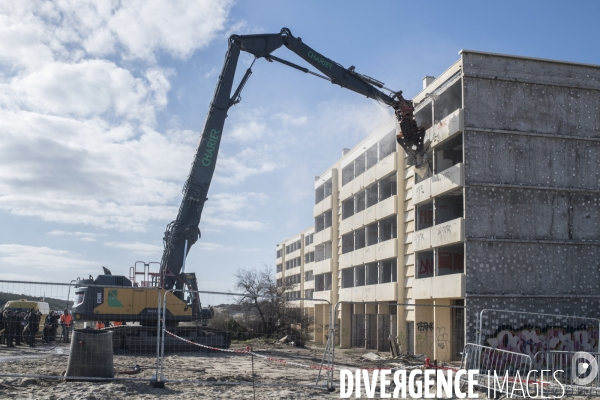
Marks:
<point>182,233</point>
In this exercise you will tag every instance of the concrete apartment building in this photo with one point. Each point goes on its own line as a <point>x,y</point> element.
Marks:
<point>505,215</point>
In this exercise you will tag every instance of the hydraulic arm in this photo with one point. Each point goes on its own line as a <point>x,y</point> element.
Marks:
<point>182,233</point>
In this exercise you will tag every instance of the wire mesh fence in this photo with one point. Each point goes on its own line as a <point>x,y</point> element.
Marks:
<point>242,340</point>
<point>574,373</point>
<point>78,330</point>
<point>498,370</point>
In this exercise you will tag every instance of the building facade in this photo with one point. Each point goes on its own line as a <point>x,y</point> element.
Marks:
<point>504,214</point>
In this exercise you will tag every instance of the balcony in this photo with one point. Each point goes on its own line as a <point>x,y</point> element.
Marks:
<point>292,271</point>
<point>440,235</point>
<point>446,129</point>
<point>444,182</point>
<point>322,206</point>
<point>375,252</point>
<point>386,166</point>
<point>381,292</point>
<point>293,254</point>
<point>387,249</point>
<point>323,295</point>
<point>422,239</point>
<point>448,233</point>
<point>386,207</point>
<point>346,225</point>
<point>358,220</point>
<point>322,266</point>
<point>323,236</point>
<point>439,287</point>
<point>448,180</point>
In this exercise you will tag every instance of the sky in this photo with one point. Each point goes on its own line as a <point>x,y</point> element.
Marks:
<point>102,103</point>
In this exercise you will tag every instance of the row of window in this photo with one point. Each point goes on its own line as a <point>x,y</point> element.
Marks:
<point>293,263</point>
<point>370,274</point>
<point>371,234</point>
<point>308,293</point>
<point>323,282</point>
<point>293,295</point>
<point>374,154</point>
<point>292,279</point>
<point>323,221</point>
<point>323,191</point>
<point>308,239</point>
<point>279,267</point>
<point>372,195</point>
<point>278,253</point>
<point>293,247</point>
<point>309,257</point>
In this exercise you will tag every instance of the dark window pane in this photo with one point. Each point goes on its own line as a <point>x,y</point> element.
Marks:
<point>359,239</point>
<point>348,208</point>
<point>359,165</point>
<point>359,276</point>
<point>347,242</point>
<point>347,173</point>
<point>360,201</point>
<point>372,195</point>
<point>372,234</point>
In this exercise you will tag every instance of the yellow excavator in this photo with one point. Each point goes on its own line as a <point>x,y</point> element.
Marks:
<point>135,301</point>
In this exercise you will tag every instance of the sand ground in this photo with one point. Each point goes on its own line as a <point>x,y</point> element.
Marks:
<point>203,375</point>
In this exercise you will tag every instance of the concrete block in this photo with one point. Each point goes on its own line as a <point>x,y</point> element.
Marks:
<point>386,166</point>
<point>446,129</point>
<point>346,191</point>
<point>387,207</point>
<point>447,180</point>
<point>421,192</point>
<point>422,239</point>
<point>358,257</point>
<point>345,226</point>
<point>358,220</point>
<point>369,215</point>
<point>387,249</point>
<point>448,233</point>
<point>370,253</point>
<point>345,260</point>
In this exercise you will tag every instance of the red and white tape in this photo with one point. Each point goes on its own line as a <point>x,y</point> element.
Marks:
<point>247,351</point>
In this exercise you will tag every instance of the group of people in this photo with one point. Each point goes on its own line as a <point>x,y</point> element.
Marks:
<point>18,325</point>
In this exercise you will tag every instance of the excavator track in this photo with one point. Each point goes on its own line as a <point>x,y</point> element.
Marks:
<point>140,339</point>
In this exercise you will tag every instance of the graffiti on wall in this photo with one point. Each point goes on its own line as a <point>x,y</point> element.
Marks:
<point>532,339</point>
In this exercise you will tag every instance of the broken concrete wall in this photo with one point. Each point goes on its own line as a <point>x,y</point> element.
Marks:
<point>532,185</point>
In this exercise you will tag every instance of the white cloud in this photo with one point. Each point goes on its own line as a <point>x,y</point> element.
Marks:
<point>42,259</point>
<point>84,236</point>
<point>78,140</point>
<point>88,88</point>
<point>138,248</point>
<point>43,31</point>
<point>226,210</point>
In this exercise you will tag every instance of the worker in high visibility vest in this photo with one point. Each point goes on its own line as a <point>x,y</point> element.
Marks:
<point>66,322</point>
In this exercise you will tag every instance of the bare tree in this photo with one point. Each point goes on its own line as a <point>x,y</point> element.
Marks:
<point>274,311</point>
